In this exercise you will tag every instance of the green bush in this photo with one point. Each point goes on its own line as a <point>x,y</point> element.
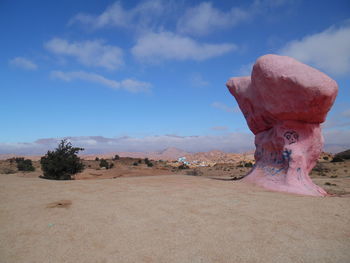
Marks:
<point>337,159</point>
<point>345,155</point>
<point>7,171</point>
<point>148,162</point>
<point>104,163</point>
<point>183,166</point>
<point>116,157</point>
<point>25,165</point>
<point>248,164</point>
<point>62,163</point>
<point>97,159</point>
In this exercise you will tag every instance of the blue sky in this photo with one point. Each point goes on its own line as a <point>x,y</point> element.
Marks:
<point>146,75</point>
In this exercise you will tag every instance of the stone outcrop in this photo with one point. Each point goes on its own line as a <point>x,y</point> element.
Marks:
<point>284,102</point>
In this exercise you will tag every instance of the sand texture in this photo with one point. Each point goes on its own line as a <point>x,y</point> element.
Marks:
<point>173,218</point>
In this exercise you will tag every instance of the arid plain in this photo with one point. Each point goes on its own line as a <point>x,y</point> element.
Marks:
<point>171,215</point>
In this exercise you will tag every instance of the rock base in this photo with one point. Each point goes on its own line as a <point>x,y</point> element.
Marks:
<point>285,154</point>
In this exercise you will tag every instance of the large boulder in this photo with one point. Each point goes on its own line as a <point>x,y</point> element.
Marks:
<point>284,101</point>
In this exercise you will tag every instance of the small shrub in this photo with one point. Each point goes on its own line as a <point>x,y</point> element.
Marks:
<point>7,171</point>
<point>328,183</point>
<point>25,165</point>
<point>148,162</point>
<point>337,159</point>
<point>116,157</point>
<point>97,159</point>
<point>248,164</point>
<point>62,163</point>
<point>320,168</point>
<point>184,166</point>
<point>104,163</point>
<point>334,176</point>
<point>135,164</point>
<point>325,158</point>
<point>140,161</point>
<point>111,165</point>
<point>345,155</point>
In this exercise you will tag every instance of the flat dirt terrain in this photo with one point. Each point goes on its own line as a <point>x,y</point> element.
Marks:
<point>174,218</point>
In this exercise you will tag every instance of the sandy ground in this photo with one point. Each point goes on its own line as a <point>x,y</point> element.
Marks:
<point>172,218</point>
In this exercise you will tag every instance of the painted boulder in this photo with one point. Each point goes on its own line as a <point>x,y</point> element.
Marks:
<point>284,102</point>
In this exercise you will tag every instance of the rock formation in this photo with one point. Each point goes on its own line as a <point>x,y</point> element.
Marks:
<point>284,102</point>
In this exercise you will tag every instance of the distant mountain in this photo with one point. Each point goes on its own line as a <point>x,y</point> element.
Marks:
<point>335,148</point>
<point>171,153</point>
<point>168,154</point>
<point>344,155</point>
<point>220,157</point>
<point>9,156</point>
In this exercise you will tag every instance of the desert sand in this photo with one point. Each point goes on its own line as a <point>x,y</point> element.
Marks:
<point>174,218</point>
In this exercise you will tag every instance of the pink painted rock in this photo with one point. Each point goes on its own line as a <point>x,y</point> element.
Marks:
<point>284,103</point>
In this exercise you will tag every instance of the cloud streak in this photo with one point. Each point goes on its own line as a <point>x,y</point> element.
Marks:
<point>229,142</point>
<point>91,53</point>
<point>232,142</point>
<point>129,85</point>
<point>144,16</point>
<point>328,50</point>
<point>23,63</point>
<point>154,47</point>
<point>204,19</point>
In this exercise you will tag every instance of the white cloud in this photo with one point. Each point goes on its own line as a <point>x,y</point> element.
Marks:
<point>156,15</point>
<point>204,19</point>
<point>335,141</point>
<point>89,53</point>
<point>231,142</point>
<point>168,46</point>
<point>224,107</point>
<point>328,50</point>
<point>23,63</point>
<point>130,85</point>
<point>144,15</point>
